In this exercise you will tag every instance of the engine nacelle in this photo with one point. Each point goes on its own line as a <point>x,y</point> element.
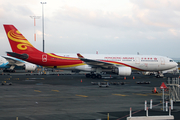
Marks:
<point>30,67</point>
<point>123,71</point>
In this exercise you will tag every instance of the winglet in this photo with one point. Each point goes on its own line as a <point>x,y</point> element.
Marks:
<point>79,56</point>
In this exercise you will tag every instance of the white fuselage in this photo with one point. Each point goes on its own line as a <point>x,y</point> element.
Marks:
<point>136,62</point>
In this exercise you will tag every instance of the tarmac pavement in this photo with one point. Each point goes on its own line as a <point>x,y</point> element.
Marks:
<point>73,97</point>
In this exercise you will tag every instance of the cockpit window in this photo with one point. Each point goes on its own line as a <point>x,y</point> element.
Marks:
<point>171,61</point>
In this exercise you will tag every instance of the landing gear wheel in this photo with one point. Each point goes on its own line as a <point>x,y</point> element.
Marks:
<point>88,75</point>
<point>99,76</point>
<point>93,76</point>
<point>12,71</point>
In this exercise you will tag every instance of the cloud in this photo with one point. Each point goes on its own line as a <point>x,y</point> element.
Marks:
<point>159,13</point>
<point>97,18</point>
<point>38,32</point>
<point>157,4</point>
<point>175,32</point>
<point>151,38</point>
<point>147,26</point>
<point>116,37</point>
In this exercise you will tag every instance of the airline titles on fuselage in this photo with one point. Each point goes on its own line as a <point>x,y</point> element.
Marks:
<point>143,59</point>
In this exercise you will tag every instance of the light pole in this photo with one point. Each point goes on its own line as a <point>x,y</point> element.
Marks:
<point>35,17</point>
<point>43,22</point>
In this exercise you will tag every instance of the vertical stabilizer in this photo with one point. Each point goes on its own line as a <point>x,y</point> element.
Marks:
<point>19,44</point>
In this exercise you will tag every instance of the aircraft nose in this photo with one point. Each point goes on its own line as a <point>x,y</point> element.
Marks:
<point>175,63</point>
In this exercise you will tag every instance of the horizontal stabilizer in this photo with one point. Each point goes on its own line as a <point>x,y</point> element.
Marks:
<point>16,55</point>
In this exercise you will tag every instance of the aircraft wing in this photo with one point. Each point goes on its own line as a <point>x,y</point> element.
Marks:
<point>96,63</point>
<point>13,61</point>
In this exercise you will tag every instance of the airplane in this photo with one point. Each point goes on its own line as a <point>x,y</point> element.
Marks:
<point>95,64</point>
<point>10,64</point>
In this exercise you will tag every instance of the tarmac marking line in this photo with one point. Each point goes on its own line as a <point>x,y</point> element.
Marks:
<point>159,94</point>
<point>37,91</point>
<point>120,95</point>
<point>140,94</point>
<point>55,90</point>
<point>81,95</point>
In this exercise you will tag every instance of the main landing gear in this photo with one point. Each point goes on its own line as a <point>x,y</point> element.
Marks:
<point>93,76</point>
<point>159,74</point>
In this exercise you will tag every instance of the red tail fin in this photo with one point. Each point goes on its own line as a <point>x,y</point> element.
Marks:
<point>18,42</point>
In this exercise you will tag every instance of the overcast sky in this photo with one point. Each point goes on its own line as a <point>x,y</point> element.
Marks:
<point>107,26</point>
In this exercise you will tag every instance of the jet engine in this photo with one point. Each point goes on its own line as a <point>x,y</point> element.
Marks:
<point>123,71</point>
<point>30,67</point>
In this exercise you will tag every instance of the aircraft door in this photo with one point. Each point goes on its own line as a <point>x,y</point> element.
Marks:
<point>137,60</point>
<point>162,61</point>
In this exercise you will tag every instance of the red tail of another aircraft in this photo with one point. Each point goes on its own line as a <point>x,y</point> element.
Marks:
<point>19,44</point>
